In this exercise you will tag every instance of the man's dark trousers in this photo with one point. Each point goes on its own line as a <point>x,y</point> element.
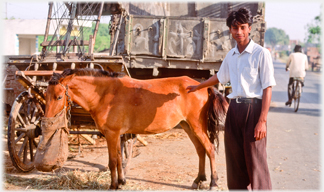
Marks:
<point>246,158</point>
<point>290,86</point>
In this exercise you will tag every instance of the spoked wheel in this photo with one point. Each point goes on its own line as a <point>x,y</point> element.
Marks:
<point>126,142</point>
<point>296,104</point>
<point>297,96</point>
<point>23,131</point>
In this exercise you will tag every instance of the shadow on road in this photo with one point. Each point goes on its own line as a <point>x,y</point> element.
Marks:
<point>279,67</point>
<point>301,111</point>
<point>306,97</point>
<point>161,183</point>
<point>90,164</point>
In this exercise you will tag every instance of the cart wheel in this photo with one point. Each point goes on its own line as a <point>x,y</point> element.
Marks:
<point>23,132</point>
<point>126,142</point>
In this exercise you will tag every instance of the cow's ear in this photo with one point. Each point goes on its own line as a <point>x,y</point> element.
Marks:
<point>67,79</point>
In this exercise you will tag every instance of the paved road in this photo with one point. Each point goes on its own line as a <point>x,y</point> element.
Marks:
<point>294,138</point>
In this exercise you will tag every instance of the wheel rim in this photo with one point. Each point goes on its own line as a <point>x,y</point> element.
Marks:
<point>295,104</point>
<point>23,132</point>
<point>297,96</point>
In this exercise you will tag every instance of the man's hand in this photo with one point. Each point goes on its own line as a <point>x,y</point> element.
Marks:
<point>260,131</point>
<point>210,82</point>
<point>192,88</point>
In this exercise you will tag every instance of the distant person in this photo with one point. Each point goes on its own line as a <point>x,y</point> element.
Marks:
<point>249,68</point>
<point>297,64</point>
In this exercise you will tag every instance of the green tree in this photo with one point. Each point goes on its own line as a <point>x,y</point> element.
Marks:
<point>275,36</point>
<point>314,30</point>
<point>102,39</point>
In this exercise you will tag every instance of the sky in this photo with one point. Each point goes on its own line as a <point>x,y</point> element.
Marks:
<point>290,16</point>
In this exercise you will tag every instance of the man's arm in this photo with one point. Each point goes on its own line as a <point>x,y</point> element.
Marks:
<point>306,63</point>
<point>210,82</point>
<point>260,130</point>
<point>288,62</point>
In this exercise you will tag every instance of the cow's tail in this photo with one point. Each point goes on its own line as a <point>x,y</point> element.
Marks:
<point>217,110</point>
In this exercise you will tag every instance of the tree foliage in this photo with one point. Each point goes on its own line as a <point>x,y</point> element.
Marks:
<point>275,36</point>
<point>314,30</point>
<point>102,38</point>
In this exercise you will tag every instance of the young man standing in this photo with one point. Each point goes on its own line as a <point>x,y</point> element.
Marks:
<point>250,70</point>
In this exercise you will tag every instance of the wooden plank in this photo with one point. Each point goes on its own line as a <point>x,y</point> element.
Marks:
<point>141,139</point>
<point>89,139</point>
<point>48,20</point>
<point>20,57</point>
<point>81,139</point>
<point>62,42</point>
<point>97,26</point>
<point>37,73</point>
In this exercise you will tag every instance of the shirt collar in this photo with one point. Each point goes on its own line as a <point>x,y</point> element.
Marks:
<point>248,49</point>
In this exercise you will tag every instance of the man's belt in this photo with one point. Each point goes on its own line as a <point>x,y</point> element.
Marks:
<point>247,100</point>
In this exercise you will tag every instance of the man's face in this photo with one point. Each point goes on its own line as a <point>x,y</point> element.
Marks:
<point>240,32</point>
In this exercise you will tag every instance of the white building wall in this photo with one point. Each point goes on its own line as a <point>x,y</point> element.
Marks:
<point>16,45</point>
<point>26,30</point>
<point>10,41</point>
<point>27,45</point>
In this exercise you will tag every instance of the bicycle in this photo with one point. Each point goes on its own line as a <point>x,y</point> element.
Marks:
<point>296,92</point>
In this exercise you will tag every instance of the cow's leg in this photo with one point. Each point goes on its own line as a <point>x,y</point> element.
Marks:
<point>121,175</point>
<point>201,153</point>
<point>200,131</point>
<point>112,138</point>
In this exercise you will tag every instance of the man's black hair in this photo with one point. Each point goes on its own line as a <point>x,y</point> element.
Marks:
<point>298,48</point>
<point>241,16</point>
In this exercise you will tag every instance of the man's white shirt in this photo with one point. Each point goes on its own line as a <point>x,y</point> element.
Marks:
<point>249,72</point>
<point>297,63</point>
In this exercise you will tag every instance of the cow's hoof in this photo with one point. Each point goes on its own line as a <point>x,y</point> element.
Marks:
<point>213,188</point>
<point>113,187</point>
<point>200,185</point>
<point>194,185</point>
<point>121,181</point>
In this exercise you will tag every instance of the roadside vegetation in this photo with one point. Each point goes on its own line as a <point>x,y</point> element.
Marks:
<point>102,39</point>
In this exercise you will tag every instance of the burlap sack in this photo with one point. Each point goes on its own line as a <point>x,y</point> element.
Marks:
<point>52,150</point>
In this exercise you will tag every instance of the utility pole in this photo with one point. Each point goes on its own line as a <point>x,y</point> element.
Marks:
<point>6,14</point>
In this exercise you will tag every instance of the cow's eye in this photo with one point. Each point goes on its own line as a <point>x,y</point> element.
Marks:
<point>59,97</point>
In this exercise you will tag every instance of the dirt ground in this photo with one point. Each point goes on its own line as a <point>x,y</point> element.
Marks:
<point>169,162</point>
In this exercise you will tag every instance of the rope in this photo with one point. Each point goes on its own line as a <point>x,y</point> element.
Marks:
<point>70,103</point>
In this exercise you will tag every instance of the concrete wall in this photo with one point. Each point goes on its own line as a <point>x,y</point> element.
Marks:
<point>9,40</point>
<point>26,30</point>
<point>160,8</point>
<point>146,8</point>
<point>27,46</point>
<point>189,9</point>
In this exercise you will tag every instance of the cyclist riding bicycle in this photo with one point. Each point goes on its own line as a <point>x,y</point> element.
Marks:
<point>297,64</point>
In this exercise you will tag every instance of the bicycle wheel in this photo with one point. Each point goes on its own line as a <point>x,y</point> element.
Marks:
<point>297,95</point>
